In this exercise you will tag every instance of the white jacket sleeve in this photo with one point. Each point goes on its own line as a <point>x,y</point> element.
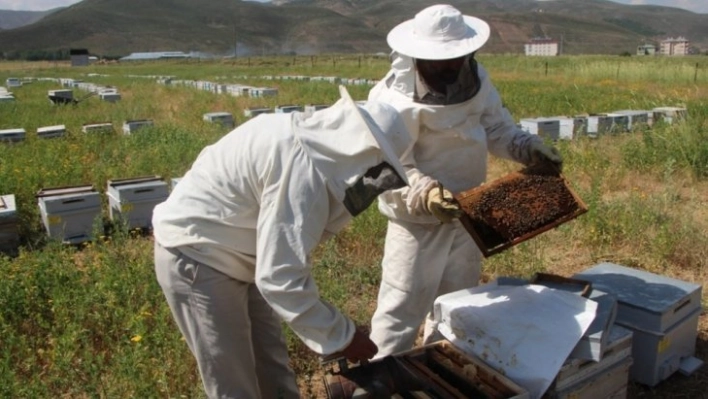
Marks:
<point>504,138</point>
<point>290,225</point>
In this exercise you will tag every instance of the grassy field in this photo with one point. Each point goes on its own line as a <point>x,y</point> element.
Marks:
<point>90,320</point>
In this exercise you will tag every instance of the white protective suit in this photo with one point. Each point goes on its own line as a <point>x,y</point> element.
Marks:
<point>242,223</point>
<point>424,259</point>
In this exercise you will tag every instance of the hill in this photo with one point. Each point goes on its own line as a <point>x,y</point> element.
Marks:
<point>118,27</point>
<point>14,19</point>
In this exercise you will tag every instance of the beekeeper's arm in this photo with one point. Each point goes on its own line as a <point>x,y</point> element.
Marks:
<point>290,225</point>
<point>506,140</point>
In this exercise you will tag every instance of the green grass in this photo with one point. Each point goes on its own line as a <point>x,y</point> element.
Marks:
<point>90,321</point>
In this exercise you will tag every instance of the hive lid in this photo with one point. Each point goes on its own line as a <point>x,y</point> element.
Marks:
<point>517,207</point>
<point>638,288</point>
<point>133,180</point>
<point>64,190</point>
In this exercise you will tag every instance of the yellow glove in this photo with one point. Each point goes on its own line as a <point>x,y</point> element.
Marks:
<point>442,204</point>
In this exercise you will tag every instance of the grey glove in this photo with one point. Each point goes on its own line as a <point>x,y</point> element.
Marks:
<point>546,156</point>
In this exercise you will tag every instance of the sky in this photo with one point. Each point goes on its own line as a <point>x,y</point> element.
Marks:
<point>700,6</point>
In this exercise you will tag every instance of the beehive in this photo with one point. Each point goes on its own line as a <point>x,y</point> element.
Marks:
<point>255,111</point>
<point>224,119</point>
<point>661,312</point>
<point>69,213</point>
<point>131,201</point>
<point>285,109</point>
<point>9,233</point>
<point>110,96</point>
<point>12,135</point>
<point>606,378</point>
<point>669,114</point>
<point>131,126</point>
<point>102,127</point>
<point>517,207</point>
<point>544,127</point>
<point>599,125</point>
<point>437,370</point>
<point>637,119</point>
<point>49,132</point>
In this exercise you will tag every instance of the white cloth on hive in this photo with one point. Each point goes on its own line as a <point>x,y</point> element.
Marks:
<point>524,332</point>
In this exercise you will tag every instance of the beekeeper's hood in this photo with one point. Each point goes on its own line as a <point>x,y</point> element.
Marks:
<point>357,148</point>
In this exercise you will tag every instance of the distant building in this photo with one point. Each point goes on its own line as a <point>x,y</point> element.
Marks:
<point>541,46</point>
<point>79,56</point>
<point>674,46</point>
<point>646,49</point>
<point>158,55</point>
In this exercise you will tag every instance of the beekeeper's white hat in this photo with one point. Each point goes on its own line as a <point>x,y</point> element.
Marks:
<point>439,32</point>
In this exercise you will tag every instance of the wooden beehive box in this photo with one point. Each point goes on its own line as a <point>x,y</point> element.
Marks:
<point>434,371</point>
<point>517,207</point>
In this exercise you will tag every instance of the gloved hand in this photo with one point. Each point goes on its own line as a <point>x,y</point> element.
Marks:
<point>361,348</point>
<point>544,155</point>
<point>442,204</point>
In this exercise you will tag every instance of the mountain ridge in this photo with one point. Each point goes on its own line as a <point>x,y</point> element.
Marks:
<point>227,27</point>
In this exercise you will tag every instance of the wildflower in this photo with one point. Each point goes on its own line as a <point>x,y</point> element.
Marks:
<point>137,338</point>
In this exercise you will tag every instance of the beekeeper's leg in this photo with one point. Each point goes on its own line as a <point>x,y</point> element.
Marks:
<point>211,311</point>
<point>413,264</point>
<point>463,270</point>
<point>275,377</point>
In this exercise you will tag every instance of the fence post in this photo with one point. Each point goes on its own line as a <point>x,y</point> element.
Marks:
<point>546,68</point>
<point>695,74</point>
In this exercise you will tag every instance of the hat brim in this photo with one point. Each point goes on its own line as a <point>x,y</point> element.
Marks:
<point>404,40</point>
<point>389,155</point>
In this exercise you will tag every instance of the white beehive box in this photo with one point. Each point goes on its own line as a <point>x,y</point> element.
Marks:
<point>50,132</point>
<point>580,125</point>
<point>13,82</point>
<point>255,111</point>
<point>7,98</point>
<point>63,93</point>
<point>638,119</point>
<point>599,125</point>
<point>109,96</point>
<point>620,122</point>
<point>286,109</point>
<point>669,114</point>
<point>566,128</point>
<point>12,135</point>
<point>262,92</point>
<point>132,126</point>
<point>225,119</point>
<point>662,313</point>
<point>587,379</point>
<point>9,234</point>
<point>69,213</point>
<point>101,127</point>
<point>131,201</point>
<point>544,127</point>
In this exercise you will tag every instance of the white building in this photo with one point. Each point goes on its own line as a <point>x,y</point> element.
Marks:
<point>541,47</point>
<point>674,46</point>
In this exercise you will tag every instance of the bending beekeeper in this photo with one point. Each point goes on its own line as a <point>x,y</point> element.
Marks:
<point>455,117</point>
<point>233,240</point>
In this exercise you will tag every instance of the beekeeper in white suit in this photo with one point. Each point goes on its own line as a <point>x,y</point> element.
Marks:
<point>233,240</point>
<point>455,117</point>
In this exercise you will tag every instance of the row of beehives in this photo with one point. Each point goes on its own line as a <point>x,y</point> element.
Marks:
<point>65,96</point>
<point>224,119</point>
<point>326,79</point>
<point>47,132</point>
<point>236,90</point>
<point>69,214</point>
<point>566,128</point>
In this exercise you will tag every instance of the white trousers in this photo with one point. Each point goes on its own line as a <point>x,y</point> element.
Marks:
<point>420,263</point>
<point>234,335</point>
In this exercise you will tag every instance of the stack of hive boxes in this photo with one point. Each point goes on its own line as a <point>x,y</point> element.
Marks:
<point>661,312</point>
